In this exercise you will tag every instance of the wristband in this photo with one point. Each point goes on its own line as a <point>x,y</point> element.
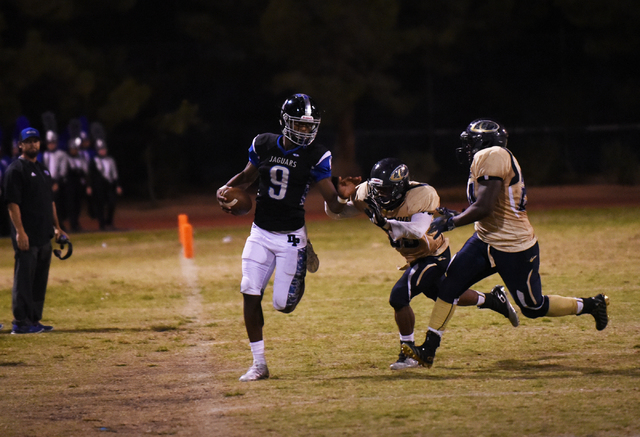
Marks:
<point>450,224</point>
<point>342,200</point>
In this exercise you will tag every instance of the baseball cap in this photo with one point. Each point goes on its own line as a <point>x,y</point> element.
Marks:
<point>28,133</point>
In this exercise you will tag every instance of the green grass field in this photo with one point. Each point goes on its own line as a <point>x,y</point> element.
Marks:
<point>147,343</point>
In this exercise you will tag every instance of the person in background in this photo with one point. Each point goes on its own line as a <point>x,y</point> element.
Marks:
<point>105,188</point>
<point>57,161</point>
<point>78,129</point>
<point>34,221</point>
<point>76,184</point>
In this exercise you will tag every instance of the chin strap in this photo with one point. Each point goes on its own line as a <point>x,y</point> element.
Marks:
<point>64,241</point>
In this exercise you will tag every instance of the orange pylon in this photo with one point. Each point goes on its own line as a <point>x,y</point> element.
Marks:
<point>185,233</point>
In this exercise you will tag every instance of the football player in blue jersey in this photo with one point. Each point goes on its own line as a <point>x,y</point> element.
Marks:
<point>404,209</point>
<point>504,241</point>
<point>285,166</point>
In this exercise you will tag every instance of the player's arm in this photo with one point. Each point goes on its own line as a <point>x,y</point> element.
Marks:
<point>57,230</point>
<point>487,198</point>
<point>16,218</point>
<point>242,180</point>
<point>337,199</point>
<point>413,230</point>
<point>350,210</point>
<point>488,192</point>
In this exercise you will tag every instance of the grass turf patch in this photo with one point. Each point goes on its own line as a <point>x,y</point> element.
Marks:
<point>146,344</point>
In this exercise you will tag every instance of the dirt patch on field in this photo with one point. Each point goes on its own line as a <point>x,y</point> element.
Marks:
<point>203,211</point>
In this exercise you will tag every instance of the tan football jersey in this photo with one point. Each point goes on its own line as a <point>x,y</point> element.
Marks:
<point>419,198</point>
<point>507,228</point>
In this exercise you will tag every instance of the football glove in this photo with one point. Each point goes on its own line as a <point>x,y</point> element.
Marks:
<point>443,210</point>
<point>444,223</point>
<point>375,215</point>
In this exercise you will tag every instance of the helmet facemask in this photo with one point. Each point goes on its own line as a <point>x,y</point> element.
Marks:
<point>300,130</point>
<point>300,119</point>
<point>389,183</point>
<point>479,135</point>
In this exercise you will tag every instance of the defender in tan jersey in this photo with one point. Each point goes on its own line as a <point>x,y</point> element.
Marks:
<point>504,241</point>
<point>403,209</point>
<point>507,228</point>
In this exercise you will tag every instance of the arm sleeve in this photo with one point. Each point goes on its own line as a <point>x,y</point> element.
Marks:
<point>415,229</point>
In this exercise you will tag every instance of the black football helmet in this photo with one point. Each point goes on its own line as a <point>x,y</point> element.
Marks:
<point>300,119</point>
<point>479,135</point>
<point>388,182</point>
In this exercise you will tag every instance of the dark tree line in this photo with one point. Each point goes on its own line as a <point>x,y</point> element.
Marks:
<point>182,86</point>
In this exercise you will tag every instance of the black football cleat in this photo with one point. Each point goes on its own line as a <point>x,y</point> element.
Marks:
<point>426,353</point>
<point>597,307</point>
<point>497,301</point>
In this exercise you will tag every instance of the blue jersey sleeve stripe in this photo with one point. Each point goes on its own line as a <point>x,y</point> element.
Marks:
<point>325,156</point>
<point>254,158</point>
<point>322,169</point>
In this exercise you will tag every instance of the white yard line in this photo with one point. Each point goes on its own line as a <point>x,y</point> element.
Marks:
<point>190,275</point>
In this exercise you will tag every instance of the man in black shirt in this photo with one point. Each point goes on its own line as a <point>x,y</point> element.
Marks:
<point>29,197</point>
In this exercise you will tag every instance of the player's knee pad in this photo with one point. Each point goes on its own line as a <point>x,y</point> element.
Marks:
<point>396,306</point>
<point>399,297</point>
<point>530,308</point>
<point>248,286</point>
<point>397,303</point>
<point>534,313</point>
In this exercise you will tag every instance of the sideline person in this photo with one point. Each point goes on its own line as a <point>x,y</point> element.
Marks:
<point>105,187</point>
<point>57,162</point>
<point>286,165</point>
<point>504,241</point>
<point>404,209</point>
<point>77,184</point>
<point>29,198</point>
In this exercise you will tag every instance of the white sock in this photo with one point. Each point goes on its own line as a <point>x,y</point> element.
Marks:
<point>580,306</point>
<point>407,337</point>
<point>437,332</point>
<point>481,298</point>
<point>257,349</point>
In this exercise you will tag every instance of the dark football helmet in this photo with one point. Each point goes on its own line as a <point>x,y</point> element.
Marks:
<point>479,135</point>
<point>300,119</point>
<point>388,182</point>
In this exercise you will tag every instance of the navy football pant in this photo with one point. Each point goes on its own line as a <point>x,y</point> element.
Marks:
<point>423,276</point>
<point>519,271</point>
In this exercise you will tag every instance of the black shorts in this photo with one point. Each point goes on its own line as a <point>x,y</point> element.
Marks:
<point>422,277</point>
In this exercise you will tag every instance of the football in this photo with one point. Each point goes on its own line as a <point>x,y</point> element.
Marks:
<point>238,201</point>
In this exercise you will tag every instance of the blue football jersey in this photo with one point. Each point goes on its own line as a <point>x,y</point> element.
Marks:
<point>285,179</point>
